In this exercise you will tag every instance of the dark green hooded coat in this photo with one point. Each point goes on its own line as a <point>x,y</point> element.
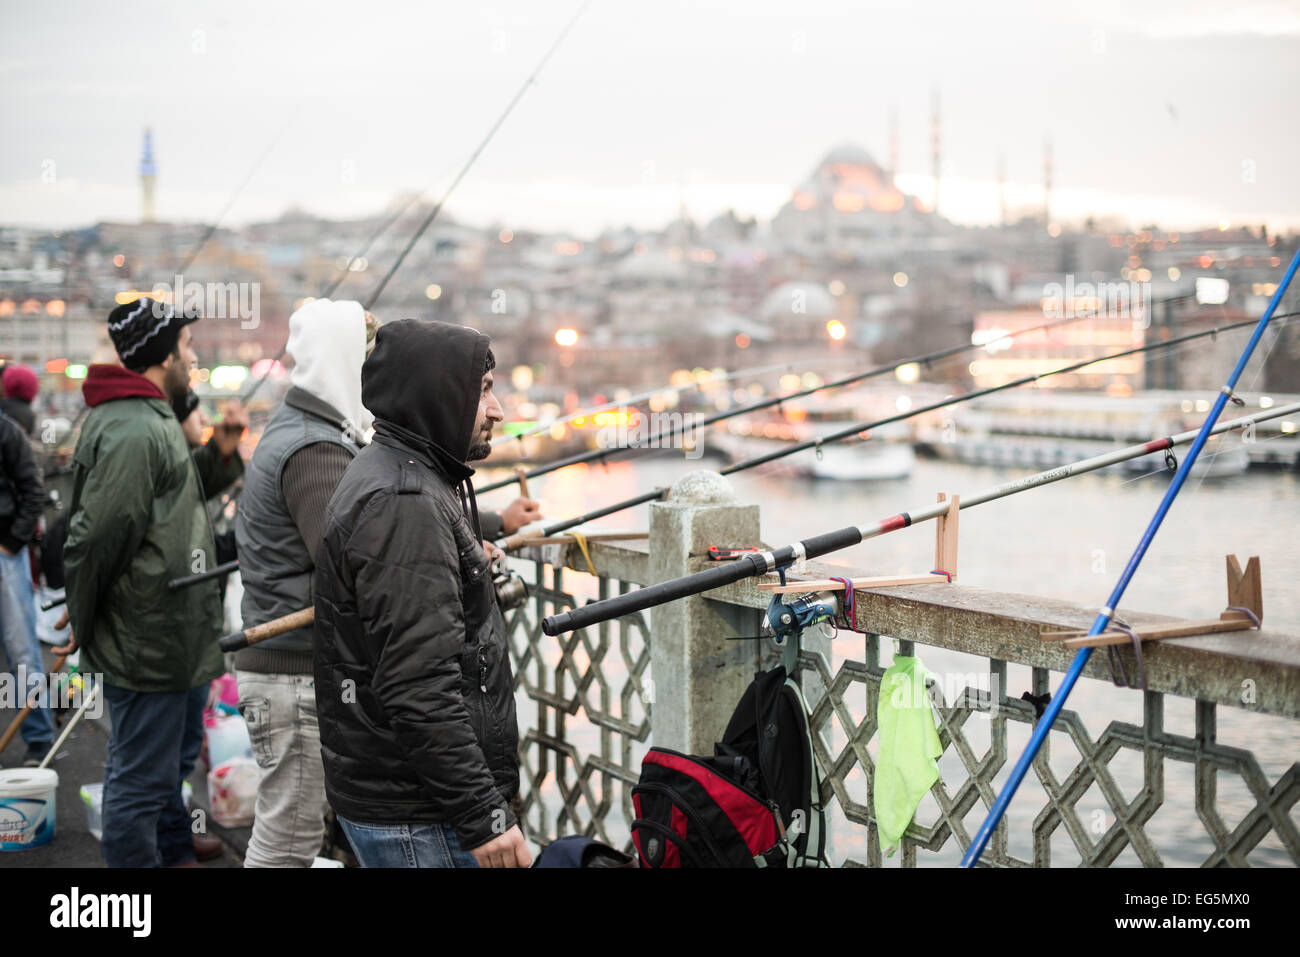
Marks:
<point>137,521</point>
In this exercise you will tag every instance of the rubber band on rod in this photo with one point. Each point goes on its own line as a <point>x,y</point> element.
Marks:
<point>850,604</point>
<point>1246,611</point>
<point>1116,666</point>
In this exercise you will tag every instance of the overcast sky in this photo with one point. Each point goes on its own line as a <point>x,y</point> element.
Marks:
<point>1181,112</point>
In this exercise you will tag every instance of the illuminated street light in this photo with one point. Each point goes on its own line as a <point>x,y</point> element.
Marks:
<point>908,372</point>
<point>1211,291</point>
<point>836,329</point>
<point>566,337</point>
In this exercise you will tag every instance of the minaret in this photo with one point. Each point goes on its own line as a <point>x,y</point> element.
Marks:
<point>1047,182</point>
<point>1002,187</point>
<point>147,173</point>
<point>893,146</point>
<point>934,145</point>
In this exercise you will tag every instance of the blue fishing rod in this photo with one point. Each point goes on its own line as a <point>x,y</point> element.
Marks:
<point>1044,724</point>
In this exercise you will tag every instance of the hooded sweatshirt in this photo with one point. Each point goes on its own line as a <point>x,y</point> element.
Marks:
<point>414,688</point>
<point>302,455</point>
<point>327,340</point>
<point>438,420</point>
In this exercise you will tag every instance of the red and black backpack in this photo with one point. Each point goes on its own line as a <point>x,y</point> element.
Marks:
<point>755,803</point>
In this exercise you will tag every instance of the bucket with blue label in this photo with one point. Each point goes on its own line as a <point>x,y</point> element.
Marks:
<point>27,807</point>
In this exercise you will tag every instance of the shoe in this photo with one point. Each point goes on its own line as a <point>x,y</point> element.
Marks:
<point>35,755</point>
<point>207,848</point>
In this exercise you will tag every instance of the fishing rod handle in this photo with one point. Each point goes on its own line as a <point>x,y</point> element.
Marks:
<point>518,539</point>
<point>595,612</point>
<point>220,571</point>
<point>751,565</point>
<point>270,629</point>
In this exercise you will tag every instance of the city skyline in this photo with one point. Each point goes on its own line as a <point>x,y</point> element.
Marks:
<point>1158,116</point>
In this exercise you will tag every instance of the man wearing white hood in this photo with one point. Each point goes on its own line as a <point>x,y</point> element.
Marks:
<point>299,461</point>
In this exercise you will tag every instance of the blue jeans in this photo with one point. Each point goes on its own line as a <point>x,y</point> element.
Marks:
<point>22,650</point>
<point>406,845</point>
<point>155,741</point>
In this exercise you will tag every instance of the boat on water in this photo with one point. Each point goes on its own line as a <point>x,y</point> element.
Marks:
<point>1042,429</point>
<point>884,453</point>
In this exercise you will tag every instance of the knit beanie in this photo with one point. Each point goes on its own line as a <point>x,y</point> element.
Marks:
<point>19,382</point>
<point>144,332</point>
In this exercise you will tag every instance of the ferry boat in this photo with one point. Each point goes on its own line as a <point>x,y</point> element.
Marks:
<point>884,453</point>
<point>1041,429</point>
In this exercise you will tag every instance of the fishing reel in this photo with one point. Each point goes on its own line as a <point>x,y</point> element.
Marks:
<point>787,619</point>
<point>510,587</point>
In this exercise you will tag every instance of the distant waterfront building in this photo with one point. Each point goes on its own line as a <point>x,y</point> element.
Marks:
<point>148,171</point>
<point>1107,330</point>
<point>850,197</point>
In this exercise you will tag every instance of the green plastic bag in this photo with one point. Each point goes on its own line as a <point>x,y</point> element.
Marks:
<point>906,765</point>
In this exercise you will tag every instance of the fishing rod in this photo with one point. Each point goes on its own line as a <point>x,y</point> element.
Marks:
<point>655,441</point>
<point>1044,724</point>
<point>754,564</point>
<point>212,229</point>
<point>918,360</point>
<point>329,289</point>
<point>521,538</point>
<point>433,214</point>
<point>645,397</point>
<point>218,571</point>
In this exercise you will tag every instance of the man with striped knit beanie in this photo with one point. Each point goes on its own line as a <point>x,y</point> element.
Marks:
<point>136,520</point>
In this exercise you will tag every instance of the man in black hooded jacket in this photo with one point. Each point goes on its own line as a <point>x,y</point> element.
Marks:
<point>414,690</point>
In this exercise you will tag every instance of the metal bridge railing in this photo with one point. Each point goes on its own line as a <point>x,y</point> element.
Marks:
<point>588,704</point>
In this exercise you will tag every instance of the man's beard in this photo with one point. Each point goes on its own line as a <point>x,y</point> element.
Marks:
<point>481,449</point>
<point>176,382</point>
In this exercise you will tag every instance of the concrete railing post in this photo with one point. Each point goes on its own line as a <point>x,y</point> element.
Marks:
<point>698,674</point>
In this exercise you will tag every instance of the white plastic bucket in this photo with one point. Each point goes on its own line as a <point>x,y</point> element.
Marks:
<point>27,807</point>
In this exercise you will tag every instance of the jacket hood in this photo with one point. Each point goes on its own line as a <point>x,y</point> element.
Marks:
<point>423,381</point>
<point>104,383</point>
<point>327,340</point>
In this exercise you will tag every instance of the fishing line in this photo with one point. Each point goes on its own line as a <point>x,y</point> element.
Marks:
<point>1107,613</point>
<point>329,289</point>
<point>646,396</point>
<point>655,441</point>
<point>1214,455</point>
<point>517,540</point>
<point>754,564</point>
<point>248,177</point>
<point>433,214</point>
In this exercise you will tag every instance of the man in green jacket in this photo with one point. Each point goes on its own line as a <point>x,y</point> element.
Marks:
<point>137,520</point>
